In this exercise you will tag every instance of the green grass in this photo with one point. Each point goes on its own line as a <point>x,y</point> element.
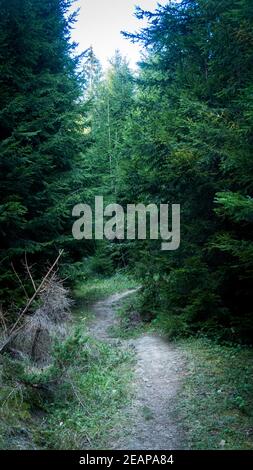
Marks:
<point>95,289</point>
<point>87,407</point>
<point>216,403</point>
<point>130,325</point>
<point>82,410</point>
<point>215,406</point>
<point>81,402</point>
<point>14,417</point>
<point>16,420</point>
<point>99,288</point>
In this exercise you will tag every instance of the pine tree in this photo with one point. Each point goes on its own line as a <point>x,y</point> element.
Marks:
<point>189,142</point>
<point>41,129</point>
<point>111,103</point>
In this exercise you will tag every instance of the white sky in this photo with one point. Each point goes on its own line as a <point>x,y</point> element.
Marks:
<point>100,23</point>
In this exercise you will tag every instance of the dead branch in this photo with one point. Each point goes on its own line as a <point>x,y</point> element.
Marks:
<point>3,320</point>
<point>36,292</point>
<point>19,280</point>
<point>29,273</point>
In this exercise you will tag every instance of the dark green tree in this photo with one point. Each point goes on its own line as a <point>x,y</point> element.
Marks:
<point>111,100</point>
<point>42,122</point>
<point>189,142</point>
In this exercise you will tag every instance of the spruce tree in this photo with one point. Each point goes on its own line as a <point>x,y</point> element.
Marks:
<point>41,129</point>
<point>189,142</point>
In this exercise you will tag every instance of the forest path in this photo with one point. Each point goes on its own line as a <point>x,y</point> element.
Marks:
<point>159,368</point>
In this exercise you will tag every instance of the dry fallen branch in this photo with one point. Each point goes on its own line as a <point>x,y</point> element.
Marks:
<point>36,338</point>
<point>36,292</point>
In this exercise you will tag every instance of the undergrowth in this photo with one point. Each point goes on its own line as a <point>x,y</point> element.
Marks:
<point>97,288</point>
<point>215,404</point>
<point>88,404</point>
<point>130,324</point>
<point>77,400</point>
<point>78,397</point>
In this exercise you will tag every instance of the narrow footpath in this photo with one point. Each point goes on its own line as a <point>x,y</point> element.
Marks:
<point>159,368</point>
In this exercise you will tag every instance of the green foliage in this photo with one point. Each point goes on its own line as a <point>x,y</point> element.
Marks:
<point>130,324</point>
<point>41,136</point>
<point>88,404</point>
<point>235,206</point>
<point>80,396</point>
<point>96,288</point>
<point>215,404</point>
<point>188,140</point>
<point>111,98</point>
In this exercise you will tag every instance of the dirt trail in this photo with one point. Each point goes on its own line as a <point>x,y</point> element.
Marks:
<point>104,315</point>
<point>159,367</point>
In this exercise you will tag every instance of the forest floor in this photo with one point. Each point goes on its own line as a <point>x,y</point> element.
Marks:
<point>159,367</point>
<point>130,387</point>
<point>187,394</point>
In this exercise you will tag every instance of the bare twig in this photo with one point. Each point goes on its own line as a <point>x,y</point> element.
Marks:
<point>20,282</point>
<point>3,320</point>
<point>29,273</point>
<point>10,394</point>
<point>37,291</point>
